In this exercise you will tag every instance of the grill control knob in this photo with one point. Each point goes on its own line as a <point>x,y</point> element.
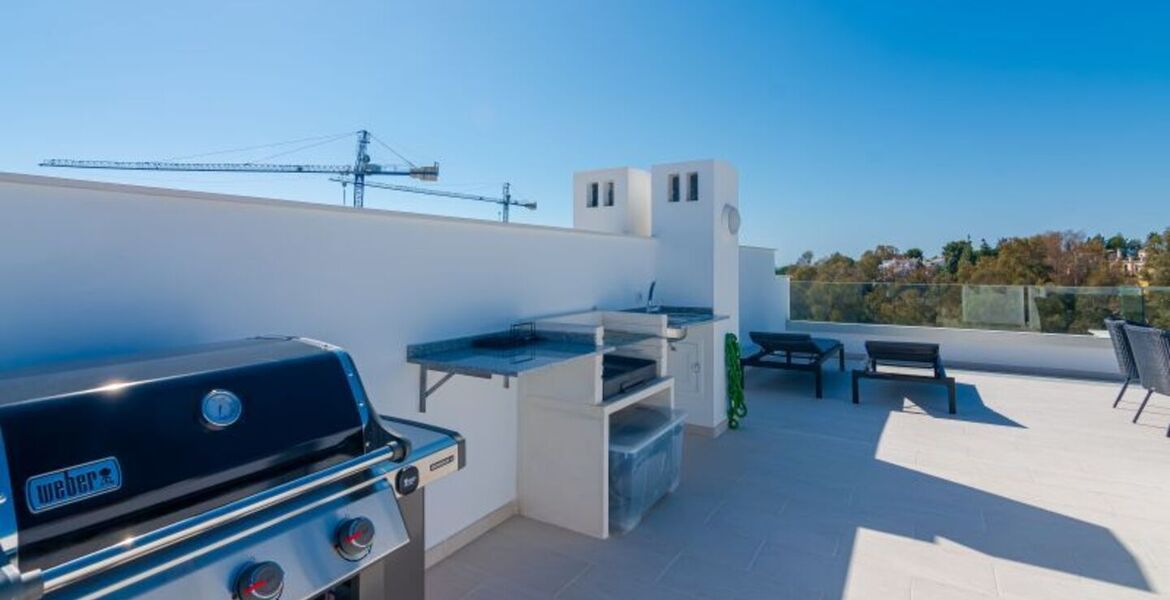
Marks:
<point>260,581</point>
<point>355,537</point>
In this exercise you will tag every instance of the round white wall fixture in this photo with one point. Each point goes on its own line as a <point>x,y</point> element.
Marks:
<point>731,219</point>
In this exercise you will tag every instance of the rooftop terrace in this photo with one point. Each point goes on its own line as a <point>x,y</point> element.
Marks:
<point>1036,489</point>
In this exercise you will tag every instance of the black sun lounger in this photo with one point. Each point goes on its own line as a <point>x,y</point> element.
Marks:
<point>801,351</point>
<point>904,354</point>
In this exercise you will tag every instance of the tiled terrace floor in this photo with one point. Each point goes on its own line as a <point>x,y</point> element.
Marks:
<point>1036,489</point>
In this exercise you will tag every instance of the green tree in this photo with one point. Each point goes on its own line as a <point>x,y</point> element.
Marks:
<point>955,254</point>
<point>1157,274</point>
<point>1016,261</point>
<point>986,250</point>
<point>1116,242</point>
<point>1157,269</point>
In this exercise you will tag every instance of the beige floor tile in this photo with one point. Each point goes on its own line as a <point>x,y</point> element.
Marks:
<point>1037,489</point>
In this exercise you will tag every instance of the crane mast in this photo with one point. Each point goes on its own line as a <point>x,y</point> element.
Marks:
<point>359,165</point>
<point>362,166</point>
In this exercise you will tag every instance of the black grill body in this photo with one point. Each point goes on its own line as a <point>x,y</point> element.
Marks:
<point>109,466</point>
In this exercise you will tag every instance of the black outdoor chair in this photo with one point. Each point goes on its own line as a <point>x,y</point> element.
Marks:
<point>904,354</point>
<point>1151,353</point>
<point>1125,363</point>
<point>801,351</point>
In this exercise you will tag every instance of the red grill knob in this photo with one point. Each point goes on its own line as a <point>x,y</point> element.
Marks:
<point>260,581</point>
<point>355,537</point>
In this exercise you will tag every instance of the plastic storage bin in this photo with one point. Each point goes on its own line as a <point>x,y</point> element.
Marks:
<point>645,454</point>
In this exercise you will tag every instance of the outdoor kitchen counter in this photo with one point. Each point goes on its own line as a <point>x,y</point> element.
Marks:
<point>680,318</point>
<point>461,356</point>
<point>693,319</point>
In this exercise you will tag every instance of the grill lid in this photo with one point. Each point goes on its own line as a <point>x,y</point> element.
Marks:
<point>101,451</point>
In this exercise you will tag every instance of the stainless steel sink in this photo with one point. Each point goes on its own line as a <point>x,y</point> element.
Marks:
<point>682,319</point>
<point>678,318</point>
<point>676,315</point>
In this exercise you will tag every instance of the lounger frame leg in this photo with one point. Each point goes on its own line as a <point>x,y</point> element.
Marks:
<point>1121,393</point>
<point>820,383</point>
<point>841,359</point>
<point>1143,406</point>
<point>856,391</point>
<point>951,395</point>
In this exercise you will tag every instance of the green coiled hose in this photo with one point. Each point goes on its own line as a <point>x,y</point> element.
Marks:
<point>736,406</point>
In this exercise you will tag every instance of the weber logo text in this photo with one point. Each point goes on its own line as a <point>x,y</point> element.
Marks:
<point>72,484</point>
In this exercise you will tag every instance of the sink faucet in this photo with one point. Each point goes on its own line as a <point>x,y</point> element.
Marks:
<point>650,297</point>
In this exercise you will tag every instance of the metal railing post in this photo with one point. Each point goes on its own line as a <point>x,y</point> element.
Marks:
<point>1027,309</point>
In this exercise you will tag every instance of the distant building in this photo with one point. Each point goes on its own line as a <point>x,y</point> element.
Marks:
<point>1130,263</point>
<point>902,265</point>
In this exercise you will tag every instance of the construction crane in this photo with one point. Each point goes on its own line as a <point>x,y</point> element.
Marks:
<point>356,173</point>
<point>505,201</point>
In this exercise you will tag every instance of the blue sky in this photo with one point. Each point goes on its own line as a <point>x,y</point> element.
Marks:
<point>852,123</point>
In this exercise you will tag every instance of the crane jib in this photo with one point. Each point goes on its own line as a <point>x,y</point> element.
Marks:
<point>356,173</point>
<point>370,168</point>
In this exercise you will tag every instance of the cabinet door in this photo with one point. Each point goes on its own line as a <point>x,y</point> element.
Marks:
<point>686,362</point>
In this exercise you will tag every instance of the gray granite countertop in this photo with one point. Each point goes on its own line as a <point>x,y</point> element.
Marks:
<point>681,317</point>
<point>462,356</point>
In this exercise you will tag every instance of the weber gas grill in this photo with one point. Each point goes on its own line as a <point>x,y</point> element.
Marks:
<point>252,470</point>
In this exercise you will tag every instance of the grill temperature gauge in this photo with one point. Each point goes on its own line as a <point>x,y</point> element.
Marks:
<point>221,409</point>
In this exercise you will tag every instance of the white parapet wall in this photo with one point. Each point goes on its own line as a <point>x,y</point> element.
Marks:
<point>785,290</point>
<point>1027,352</point>
<point>98,269</point>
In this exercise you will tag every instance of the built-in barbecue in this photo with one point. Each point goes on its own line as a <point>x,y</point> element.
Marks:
<point>620,374</point>
<point>253,470</point>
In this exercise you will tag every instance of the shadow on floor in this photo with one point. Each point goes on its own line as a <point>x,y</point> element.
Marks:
<point>901,501</point>
<point>931,400</point>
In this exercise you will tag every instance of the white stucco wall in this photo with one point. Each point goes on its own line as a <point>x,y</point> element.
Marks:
<point>698,265</point>
<point>727,273</point>
<point>726,276</point>
<point>686,262</point>
<point>95,269</point>
<point>762,306</point>
<point>638,213</point>
<point>785,283</point>
<point>630,213</point>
